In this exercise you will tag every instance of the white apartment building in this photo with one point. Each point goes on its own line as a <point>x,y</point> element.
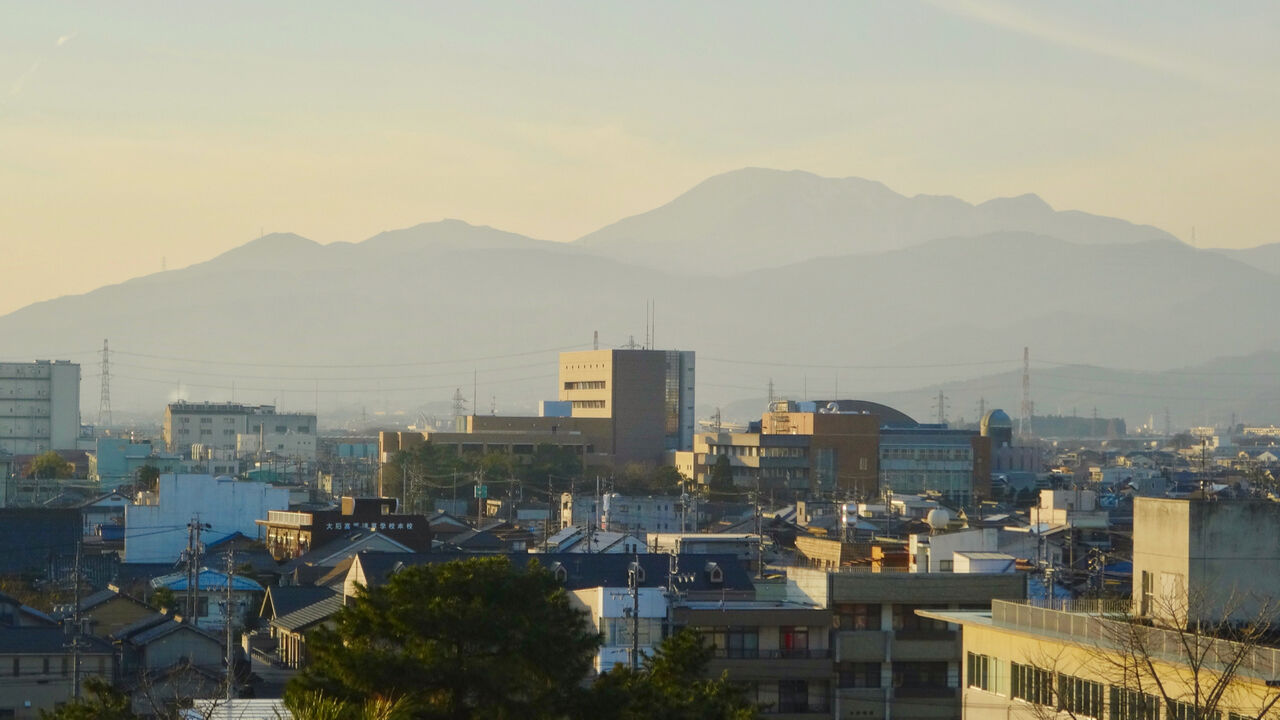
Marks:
<point>236,428</point>
<point>39,406</point>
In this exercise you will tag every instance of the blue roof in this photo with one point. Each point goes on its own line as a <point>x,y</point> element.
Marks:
<point>209,580</point>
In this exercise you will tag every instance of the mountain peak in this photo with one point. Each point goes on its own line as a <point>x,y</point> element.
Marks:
<point>1026,203</point>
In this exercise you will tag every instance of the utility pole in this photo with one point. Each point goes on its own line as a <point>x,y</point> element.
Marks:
<point>228,616</point>
<point>75,627</point>
<point>633,581</point>
<point>759,534</point>
<point>193,567</point>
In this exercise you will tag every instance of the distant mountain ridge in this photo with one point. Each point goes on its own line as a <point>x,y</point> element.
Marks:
<point>388,322</point>
<point>757,218</point>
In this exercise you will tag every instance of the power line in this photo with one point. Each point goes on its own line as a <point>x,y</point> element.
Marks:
<point>240,363</point>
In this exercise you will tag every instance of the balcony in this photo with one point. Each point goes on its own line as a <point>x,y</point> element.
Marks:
<point>925,692</point>
<point>909,645</point>
<point>902,645</point>
<point>863,703</point>
<point>765,665</point>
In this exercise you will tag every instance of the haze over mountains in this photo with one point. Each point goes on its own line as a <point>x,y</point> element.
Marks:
<point>822,285</point>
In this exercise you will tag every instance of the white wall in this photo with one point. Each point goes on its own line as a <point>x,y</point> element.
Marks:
<point>158,533</point>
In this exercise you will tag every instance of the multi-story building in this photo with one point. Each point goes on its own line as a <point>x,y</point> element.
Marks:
<point>290,534</point>
<point>778,649</point>
<point>39,406</point>
<point>954,463</point>
<point>649,395</point>
<point>888,660</point>
<point>225,427</point>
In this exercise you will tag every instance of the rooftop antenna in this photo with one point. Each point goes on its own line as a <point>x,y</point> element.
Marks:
<point>104,399</point>
<point>1024,416</point>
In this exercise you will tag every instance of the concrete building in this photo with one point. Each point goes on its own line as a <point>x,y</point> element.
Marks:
<point>39,406</point>
<point>157,533</point>
<point>953,463</point>
<point>843,437</point>
<point>649,395</point>
<point>779,463</point>
<point>1024,662</point>
<point>116,461</point>
<point>290,534</point>
<point>1205,560</point>
<point>778,649</point>
<point>889,661</point>
<point>220,427</point>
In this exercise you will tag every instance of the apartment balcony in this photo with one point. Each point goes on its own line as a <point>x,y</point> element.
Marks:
<point>898,645</point>
<point>863,703</point>
<point>746,665</point>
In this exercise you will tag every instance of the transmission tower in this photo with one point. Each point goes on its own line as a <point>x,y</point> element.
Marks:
<point>459,404</point>
<point>104,399</point>
<point>1024,418</point>
<point>941,406</point>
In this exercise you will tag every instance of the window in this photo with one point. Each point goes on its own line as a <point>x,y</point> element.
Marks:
<point>595,404</point>
<point>1030,683</point>
<point>304,429</point>
<point>1132,705</point>
<point>734,641</point>
<point>905,618</point>
<point>979,672</point>
<point>920,674</point>
<point>282,429</point>
<point>206,421</point>
<point>1176,710</point>
<point>1080,697</point>
<point>859,675</point>
<point>793,696</point>
<point>859,616</point>
<point>45,666</point>
<point>793,641</point>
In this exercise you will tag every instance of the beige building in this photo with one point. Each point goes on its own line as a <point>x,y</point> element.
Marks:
<point>1195,563</point>
<point>1207,559</point>
<point>647,393</point>
<point>889,661</point>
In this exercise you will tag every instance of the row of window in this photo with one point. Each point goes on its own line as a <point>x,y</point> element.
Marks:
<point>592,404</point>
<point>896,453</point>
<point>1075,695</point>
<point>585,385</point>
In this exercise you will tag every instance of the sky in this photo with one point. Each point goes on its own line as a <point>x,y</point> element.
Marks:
<point>142,135</point>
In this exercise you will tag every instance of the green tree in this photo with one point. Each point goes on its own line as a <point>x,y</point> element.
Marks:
<point>148,477</point>
<point>470,638</point>
<point>101,702</point>
<point>49,466</point>
<point>318,706</point>
<point>670,684</point>
<point>163,598</point>
<point>721,481</point>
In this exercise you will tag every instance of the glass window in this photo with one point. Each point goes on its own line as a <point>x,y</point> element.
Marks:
<point>858,616</point>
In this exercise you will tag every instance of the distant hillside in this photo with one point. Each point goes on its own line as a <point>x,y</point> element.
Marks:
<point>757,219</point>
<point>397,324</point>
<point>1263,257</point>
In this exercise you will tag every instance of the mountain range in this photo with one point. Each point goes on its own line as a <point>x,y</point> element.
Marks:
<point>819,285</point>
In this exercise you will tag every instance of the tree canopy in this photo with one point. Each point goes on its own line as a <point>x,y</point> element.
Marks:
<point>49,466</point>
<point>671,684</point>
<point>464,639</point>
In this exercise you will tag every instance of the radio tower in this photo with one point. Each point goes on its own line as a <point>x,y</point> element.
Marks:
<point>104,400</point>
<point>1024,419</point>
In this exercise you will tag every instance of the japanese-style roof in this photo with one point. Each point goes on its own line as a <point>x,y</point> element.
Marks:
<point>50,640</point>
<point>312,614</point>
<point>283,600</point>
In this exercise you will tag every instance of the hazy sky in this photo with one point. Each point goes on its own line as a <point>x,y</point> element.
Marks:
<point>132,132</point>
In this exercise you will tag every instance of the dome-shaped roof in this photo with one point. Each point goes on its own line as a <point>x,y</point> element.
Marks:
<point>996,420</point>
<point>938,518</point>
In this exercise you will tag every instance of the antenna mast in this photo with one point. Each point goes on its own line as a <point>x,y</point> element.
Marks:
<point>1024,418</point>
